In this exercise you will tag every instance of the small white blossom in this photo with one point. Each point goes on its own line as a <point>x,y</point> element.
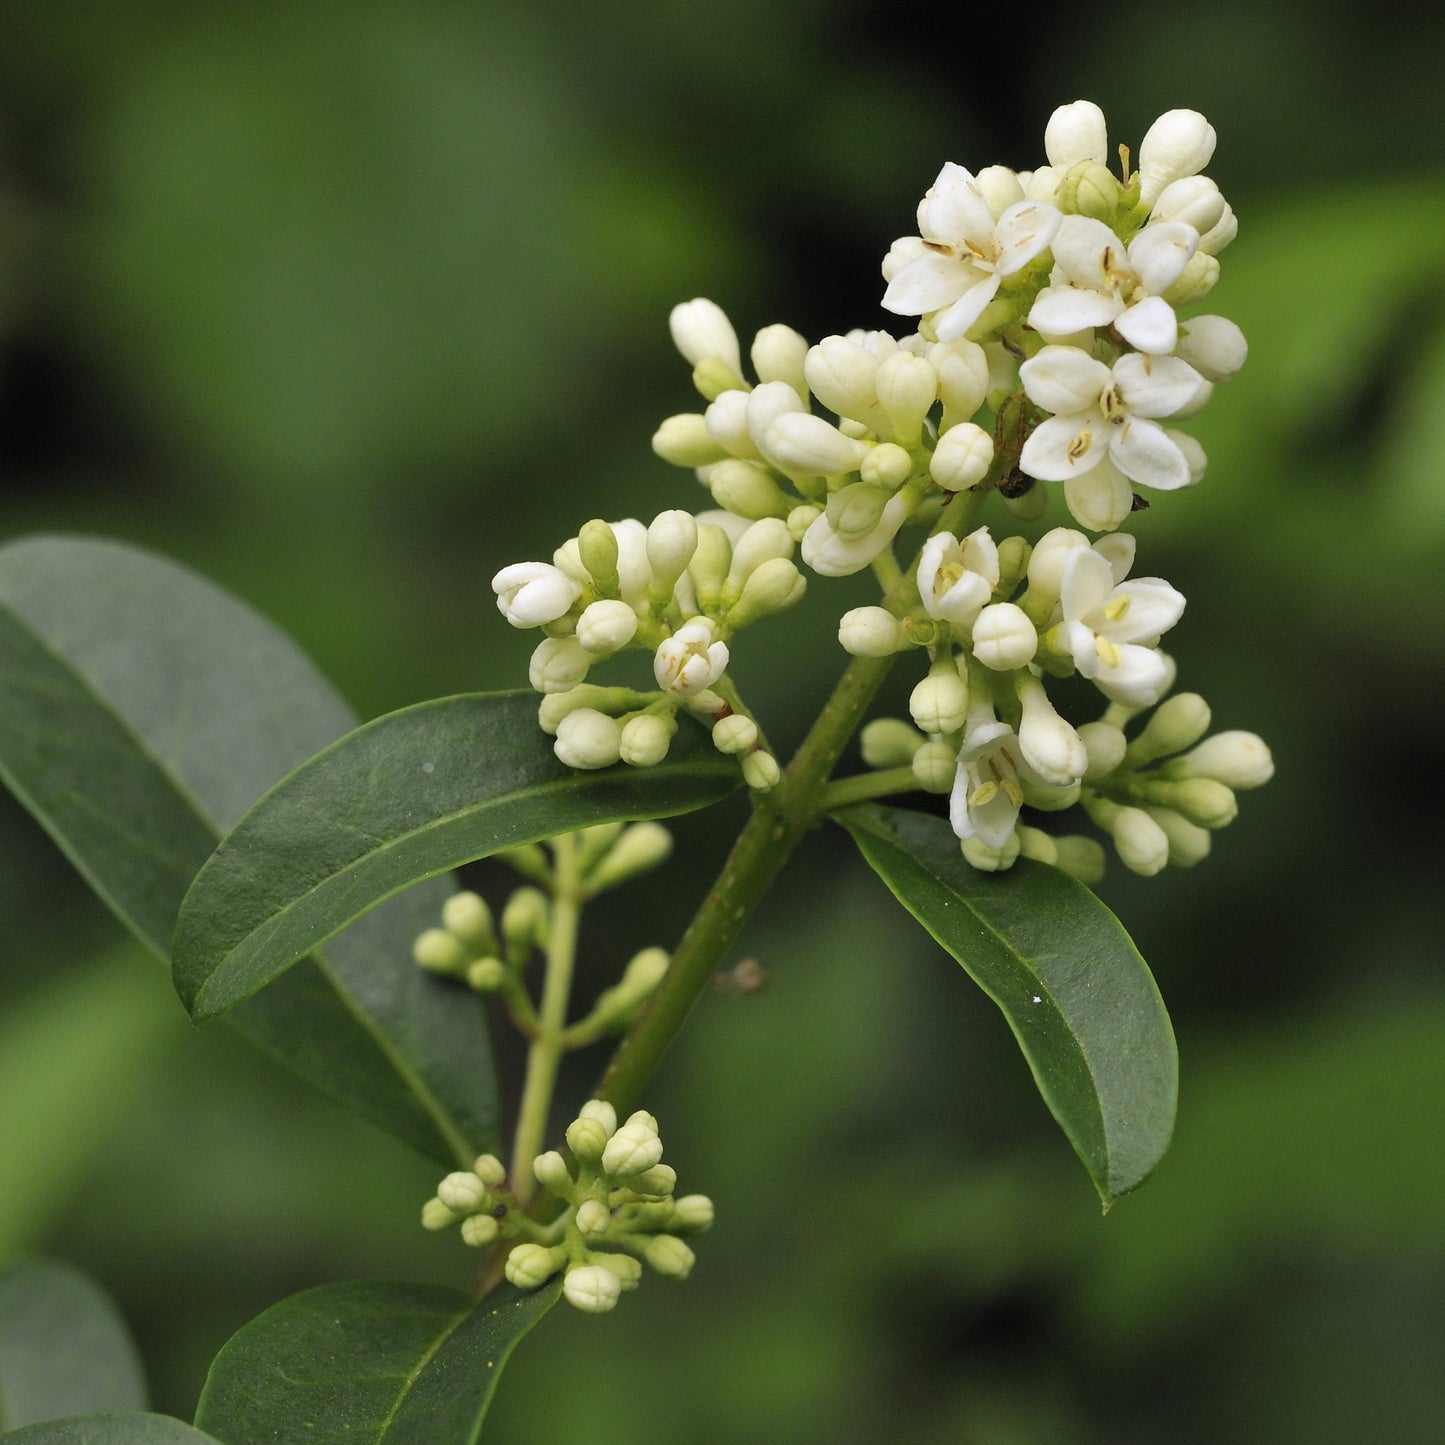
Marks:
<point>691,660</point>
<point>531,594</point>
<point>1214,346</point>
<point>964,253</point>
<point>1050,746</point>
<point>956,580</point>
<point>702,332</point>
<point>1180,143</point>
<point>606,627</point>
<point>987,791</point>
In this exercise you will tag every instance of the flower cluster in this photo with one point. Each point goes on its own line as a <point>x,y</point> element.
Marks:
<point>1054,345</point>
<point>621,1211</point>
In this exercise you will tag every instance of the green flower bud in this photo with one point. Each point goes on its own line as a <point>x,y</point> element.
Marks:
<point>439,951</point>
<point>871,632</point>
<point>1027,506</point>
<point>692,1214</point>
<point>683,440</point>
<point>480,1230</point>
<point>746,489</point>
<point>801,518</point>
<point>592,1288</point>
<point>487,975</point>
<point>435,1215</point>
<point>765,540</point>
<point>1188,842</point>
<point>490,1170</point>
<point>524,920</point>
<point>1203,801</point>
<point>735,733</point>
<point>645,740</point>
<point>939,704</point>
<point>462,1193</point>
<point>631,1150</point>
<point>935,765</point>
<point>641,847</point>
<point>602,1112</point>
<point>467,916</point>
<point>887,466</point>
<point>655,1183</point>
<point>1105,744</point>
<point>669,1255</point>
<point>593,1218</point>
<point>1140,841</point>
<point>1080,857</point>
<point>1048,798</point>
<point>1195,282</point>
<point>1013,563</point>
<point>627,1269</point>
<point>556,705</point>
<point>644,972</point>
<point>709,566</point>
<point>1236,759</point>
<point>1035,843</point>
<point>854,511</point>
<point>991,860</point>
<point>1177,723</point>
<point>597,547</point>
<point>550,1171</point>
<point>586,1138</point>
<point>1090,189</point>
<point>773,587</point>
<point>530,1266</point>
<point>712,376</point>
<point>761,771</point>
<point>889,742</point>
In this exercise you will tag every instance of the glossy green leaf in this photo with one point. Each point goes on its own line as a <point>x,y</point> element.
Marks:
<point>1079,998</point>
<point>112,1429</point>
<point>142,711</point>
<point>363,1361</point>
<point>64,1349</point>
<point>409,795</point>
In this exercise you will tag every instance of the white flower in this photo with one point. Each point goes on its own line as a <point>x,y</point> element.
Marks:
<point>702,332</point>
<point>1111,628</point>
<point>530,594</point>
<point>1102,412</point>
<point>963,252</point>
<point>987,793</point>
<point>956,580</point>
<point>606,627</point>
<point>690,660</point>
<point>591,1288</point>
<point>1076,133</point>
<point>1180,143</point>
<point>1111,284</point>
<point>1214,346</point>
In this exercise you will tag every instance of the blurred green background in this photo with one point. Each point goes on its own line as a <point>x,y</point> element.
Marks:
<point>348,304</point>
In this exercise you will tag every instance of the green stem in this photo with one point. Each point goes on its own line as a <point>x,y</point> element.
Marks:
<point>545,1054</point>
<point>867,785</point>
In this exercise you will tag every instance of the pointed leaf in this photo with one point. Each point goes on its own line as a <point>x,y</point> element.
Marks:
<point>1079,998</point>
<point>112,1429</point>
<point>409,795</point>
<point>364,1361</point>
<point>142,711</point>
<point>64,1349</point>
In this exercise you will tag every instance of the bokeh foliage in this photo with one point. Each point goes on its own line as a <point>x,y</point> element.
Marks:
<point>347,304</point>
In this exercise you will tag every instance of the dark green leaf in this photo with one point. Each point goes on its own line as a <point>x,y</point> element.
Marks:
<point>406,1364</point>
<point>409,795</point>
<point>1079,998</point>
<point>64,1349</point>
<point>142,710</point>
<point>112,1429</point>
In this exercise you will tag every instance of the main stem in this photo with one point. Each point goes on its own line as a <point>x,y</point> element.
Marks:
<point>545,1054</point>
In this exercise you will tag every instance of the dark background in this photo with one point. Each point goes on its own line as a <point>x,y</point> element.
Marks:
<point>347,305</point>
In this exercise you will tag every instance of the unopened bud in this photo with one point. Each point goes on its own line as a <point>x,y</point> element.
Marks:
<point>627,1269</point>
<point>1036,844</point>
<point>489,1169</point>
<point>1049,744</point>
<point>631,1150</point>
<point>591,1288</point>
<point>939,704</point>
<point>935,766</point>
<point>524,919</point>
<point>987,859</point>
<point>1195,200</point>
<point>467,916</point>
<point>1090,189</point>
<point>1177,723</point>
<point>1003,637</point>
<point>558,664</point>
<point>439,951</point>
<point>907,388</point>
<point>778,353</point>
<point>1080,857</point>
<point>1105,745</point>
<point>587,1138</point>
<point>530,1266</point>
<point>669,1255</point>
<point>685,441</point>
<point>761,771</point>
<point>655,1183</point>
<point>645,740</point>
<point>1213,345</point>
<point>710,563</point>
<point>550,1171</point>
<point>480,1230</point>
<point>588,740</point>
<point>889,742</point>
<point>842,375</point>
<point>606,627</point>
<point>671,541</point>
<point>597,546</point>
<point>962,457</point>
<point>746,490</point>
<point>593,1217</point>
<point>692,1214</point>
<point>462,1193</point>
<point>435,1215</point>
<point>773,587</point>
<point>871,632</point>
<point>963,380</point>
<point>1237,759</point>
<point>1204,801</point>
<point>556,705</point>
<point>1180,143</point>
<point>1142,844</point>
<point>887,466</point>
<point>486,975</point>
<point>1195,281</point>
<point>1188,842</point>
<point>806,445</point>
<point>641,847</point>
<point>602,1113</point>
<point>701,331</point>
<point>1076,132</point>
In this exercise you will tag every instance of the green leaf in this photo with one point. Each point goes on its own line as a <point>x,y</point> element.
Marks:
<point>1079,998</point>
<point>112,1429</point>
<point>64,1349</point>
<point>365,1361</point>
<point>409,795</point>
<point>142,711</point>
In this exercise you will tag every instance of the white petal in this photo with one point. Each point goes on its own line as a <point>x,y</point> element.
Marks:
<point>901,252</point>
<point>1078,641</point>
<point>1088,252</point>
<point>1136,678</point>
<point>766,403</point>
<point>1075,133</point>
<point>1118,551</point>
<point>1024,230</point>
<point>962,603</point>
<point>1086,584</point>
<point>954,322</point>
<point>1214,346</point>
<point>1100,499</point>
<point>1150,326</point>
<point>1155,385</point>
<point>1153,608</point>
<point>1066,446</point>
<point>1063,310</point>
<point>1159,253</point>
<point>1193,453</point>
<point>927,283</point>
<point>954,211</point>
<point>1064,380</point>
<point>980,554</point>
<point>1142,450</point>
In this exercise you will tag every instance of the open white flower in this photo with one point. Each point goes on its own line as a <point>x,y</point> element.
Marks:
<point>530,594</point>
<point>690,661</point>
<point>956,580</point>
<point>987,793</point>
<point>955,265</point>
<point>1114,285</point>
<point>1111,628</point>
<point>1102,411</point>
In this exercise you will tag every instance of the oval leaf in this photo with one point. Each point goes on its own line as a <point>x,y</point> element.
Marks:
<point>409,795</point>
<point>143,711</point>
<point>112,1429</point>
<point>366,1361</point>
<point>1079,998</point>
<point>64,1349</point>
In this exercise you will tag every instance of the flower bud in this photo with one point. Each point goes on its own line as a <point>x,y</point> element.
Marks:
<point>525,919</point>
<point>598,548</point>
<point>843,376</point>
<point>587,1138</point>
<point>746,490</point>
<point>727,424</point>
<point>853,511</point>
<point>480,1230</point>
<point>530,1266</point>
<point>1046,568</point>
<point>987,859</point>
<point>761,771</point>
<point>1003,637</point>
<point>640,848</point>
<point>1046,797</point>
<point>1036,844</point>
<point>939,703</point>
<point>709,566</point>
<point>773,586</point>
<point>669,1255</point>
<point>631,1150</point>
<point>606,627</point>
<point>1195,200</point>
<point>435,1215</point>
<point>963,380</point>
<point>935,765</point>
<point>1105,744</point>
<point>1090,189</point>
<point>591,1288</point>
<point>701,331</point>
<point>1237,759</point>
<point>806,445</point>
<point>886,467</point>
<point>467,916</point>
<point>644,972</point>
<point>1050,746</point>
<point>1177,723</point>
<point>1180,143</point>
<point>627,1269</point>
<point>550,1171</point>
<point>655,1183</point>
<point>558,664</point>
<point>1188,842</point>
<point>801,518</point>
<point>670,542</point>
<point>1195,281</point>
<point>531,594</point>
<point>588,740</point>
<point>593,1218</point>
<point>1204,801</point>
<point>768,403</point>
<point>692,1214</point>
<point>778,353</point>
<point>1000,188</point>
<point>1141,843</point>
<point>645,739</point>
<point>1075,133</point>
<point>907,388</point>
<point>462,1193</point>
<point>962,457</point>
<point>489,1169</point>
<point>439,951</point>
<point>889,742</point>
<point>871,632</point>
<point>486,975</point>
<point>735,733</point>
<point>1213,345</point>
<point>685,441</point>
<point>1221,233</point>
<point>556,705</point>
<point>1081,858</point>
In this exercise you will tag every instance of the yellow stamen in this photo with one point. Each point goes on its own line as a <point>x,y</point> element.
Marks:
<point>982,795</point>
<point>1013,792</point>
<point>1107,653</point>
<point>1080,445</point>
<point>1117,608</point>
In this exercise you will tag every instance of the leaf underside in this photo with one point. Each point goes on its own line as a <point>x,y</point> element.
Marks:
<point>1074,989</point>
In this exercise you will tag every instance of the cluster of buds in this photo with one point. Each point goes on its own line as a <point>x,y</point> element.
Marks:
<point>620,1210</point>
<point>1050,348</point>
